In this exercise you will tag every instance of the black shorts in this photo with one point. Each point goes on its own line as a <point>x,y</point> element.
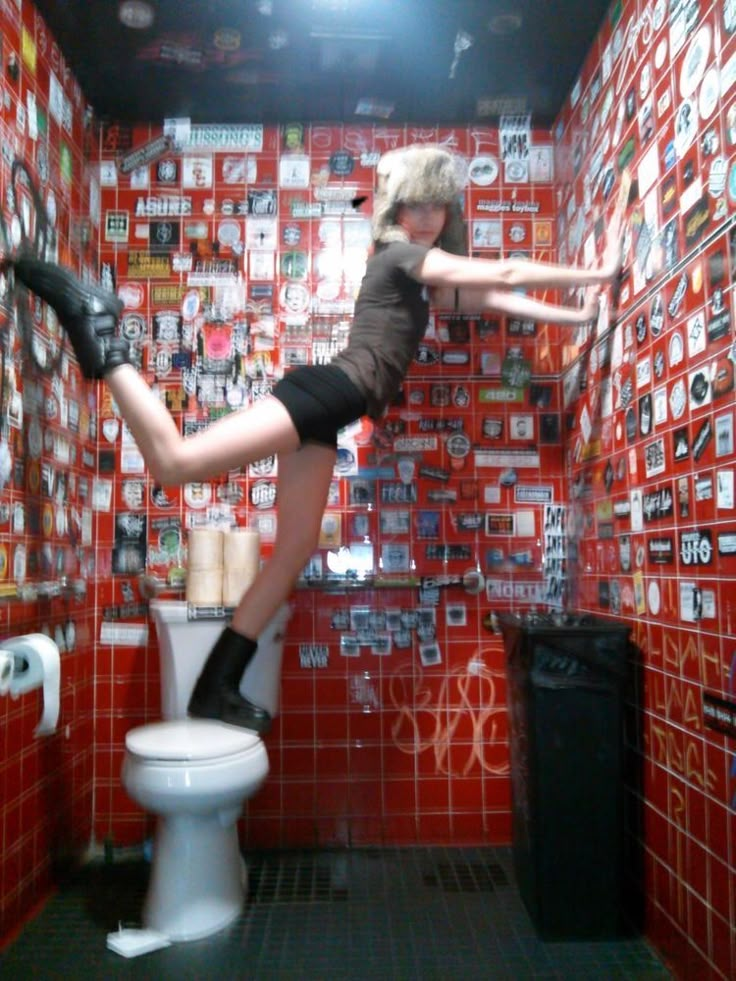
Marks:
<point>320,399</point>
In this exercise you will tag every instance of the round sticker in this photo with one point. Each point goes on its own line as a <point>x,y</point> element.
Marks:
<point>458,445</point>
<point>699,387</point>
<point>228,233</point>
<point>516,170</point>
<point>132,327</point>
<point>660,54</point>
<point>197,495</point>
<point>19,563</point>
<point>517,233</point>
<point>709,93</point>
<point>34,477</point>
<point>217,344</point>
<point>656,316</point>
<point>659,364</point>
<point>345,460</point>
<point>686,126</point>
<point>294,298</point>
<point>51,208</point>
<point>653,597</point>
<point>677,349</point>
<point>722,377</point>
<point>292,235</point>
<point>483,171</point>
<point>678,399</point>
<point>35,438</point>
<point>696,58</point>
<point>341,164</point>
<point>190,305</point>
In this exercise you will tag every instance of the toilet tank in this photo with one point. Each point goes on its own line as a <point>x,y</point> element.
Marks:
<point>184,645</point>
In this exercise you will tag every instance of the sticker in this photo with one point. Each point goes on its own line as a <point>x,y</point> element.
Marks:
<point>678,398</point>
<point>342,163</point>
<point>676,349</point>
<point>483,171</point>
<point>197,495</point>
<point>694,62</point>
<point>294,297</point>
<point>228,233</point>
<point>699,387</point>
<point>686,126</point>
<point>516,171</point>
<point>709,93</point>
<point>717,177</point>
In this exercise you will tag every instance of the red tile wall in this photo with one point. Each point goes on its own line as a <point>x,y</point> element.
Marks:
<point>46,519</point>
<point>378,748</point>
<point>369,748</point>
<point>650,489</point>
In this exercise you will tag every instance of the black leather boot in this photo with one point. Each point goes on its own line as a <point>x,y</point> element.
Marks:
<point>88,313</point>
<point>216,694</point>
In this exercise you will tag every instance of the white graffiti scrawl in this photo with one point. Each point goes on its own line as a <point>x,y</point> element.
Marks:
<point>425,723</point>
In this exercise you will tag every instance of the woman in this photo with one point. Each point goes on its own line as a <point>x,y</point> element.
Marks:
<point>418,231</point>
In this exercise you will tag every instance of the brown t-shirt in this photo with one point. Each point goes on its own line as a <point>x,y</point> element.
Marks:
<point>391,316</point>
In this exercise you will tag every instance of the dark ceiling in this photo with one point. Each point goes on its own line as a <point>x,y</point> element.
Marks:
<point>224,61</point>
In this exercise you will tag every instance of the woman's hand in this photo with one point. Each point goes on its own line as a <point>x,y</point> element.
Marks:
<point>613,254</point>
<point>591,304</point>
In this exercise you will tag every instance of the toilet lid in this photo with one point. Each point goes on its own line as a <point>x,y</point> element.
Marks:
<point>189,739</point>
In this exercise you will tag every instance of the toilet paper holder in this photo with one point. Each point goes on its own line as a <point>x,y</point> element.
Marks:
<point>32,661</point>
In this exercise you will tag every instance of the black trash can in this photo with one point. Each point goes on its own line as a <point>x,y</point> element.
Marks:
<point>566,680</point>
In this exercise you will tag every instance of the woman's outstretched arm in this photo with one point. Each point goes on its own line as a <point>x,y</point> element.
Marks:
<point>518,305</point>
<point>444,270</point>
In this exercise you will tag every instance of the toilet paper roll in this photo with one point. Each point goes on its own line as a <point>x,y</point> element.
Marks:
<point>205,548</point>
<point>242,549</point>
<point>41,668</point>
<point>204,587</point>
<point>7,663</point>
<point>234,584</point>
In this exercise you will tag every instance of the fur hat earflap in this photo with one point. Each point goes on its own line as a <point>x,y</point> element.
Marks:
<point>420,175</point>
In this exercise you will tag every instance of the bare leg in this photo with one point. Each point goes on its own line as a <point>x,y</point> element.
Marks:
<point>233,441</point>
<point>304,482</point>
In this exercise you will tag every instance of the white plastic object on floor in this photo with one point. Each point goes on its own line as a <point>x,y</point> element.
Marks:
<point>132,943</point>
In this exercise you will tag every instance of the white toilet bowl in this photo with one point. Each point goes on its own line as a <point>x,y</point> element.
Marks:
<point>195,775</point>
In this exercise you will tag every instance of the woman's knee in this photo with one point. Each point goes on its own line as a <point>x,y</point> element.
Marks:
<point>170,466</point>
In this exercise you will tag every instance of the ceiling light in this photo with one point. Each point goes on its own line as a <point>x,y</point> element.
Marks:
<point>136,14</point>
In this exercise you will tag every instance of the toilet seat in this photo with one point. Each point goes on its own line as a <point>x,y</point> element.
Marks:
<point>190,741</point>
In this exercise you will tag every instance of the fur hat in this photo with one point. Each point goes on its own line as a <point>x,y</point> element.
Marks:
<point>420,175</point>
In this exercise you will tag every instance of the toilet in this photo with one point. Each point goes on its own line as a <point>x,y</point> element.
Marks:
<point>195,775</point>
